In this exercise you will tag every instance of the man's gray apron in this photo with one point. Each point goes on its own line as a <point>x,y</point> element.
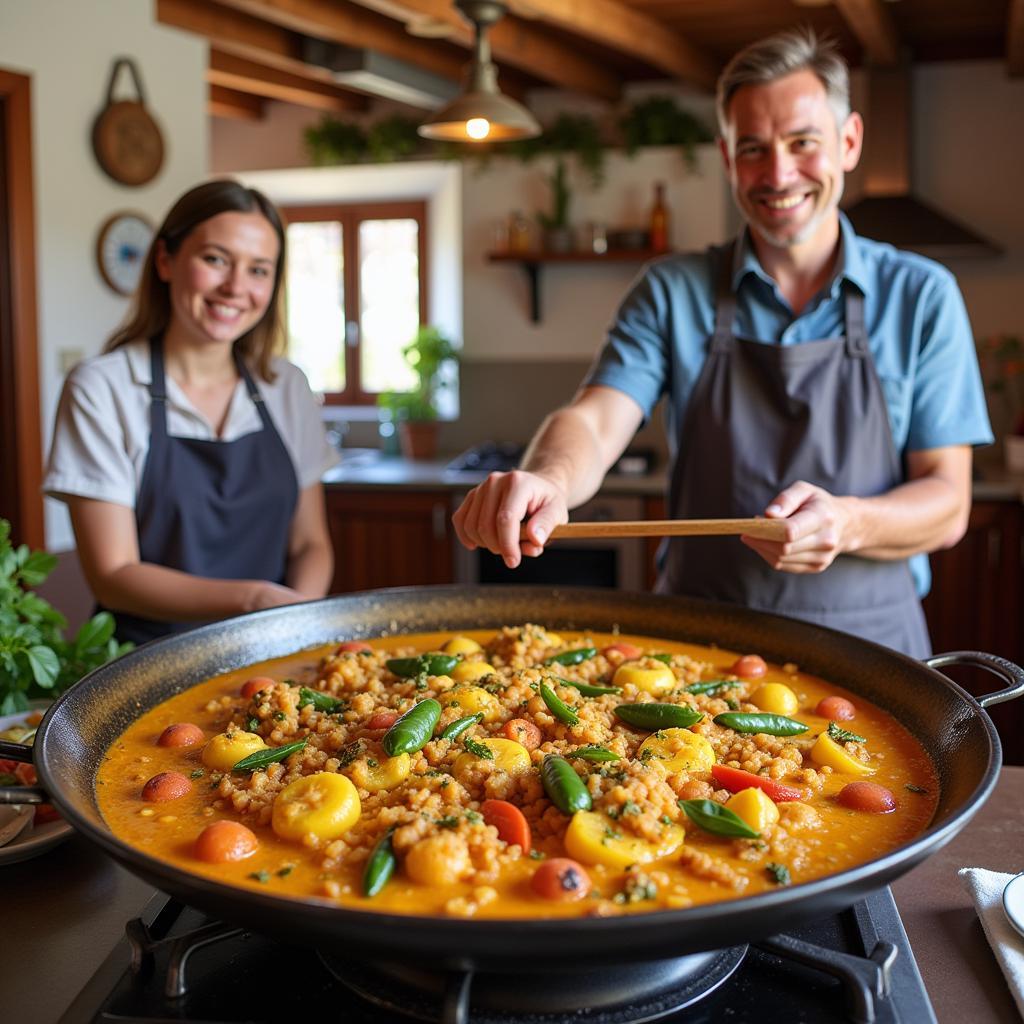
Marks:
<point>761,417</point>
<point>221,509</point>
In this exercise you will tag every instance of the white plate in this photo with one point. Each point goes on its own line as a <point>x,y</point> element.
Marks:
<point>36,839</point>
<point>1013,902</point>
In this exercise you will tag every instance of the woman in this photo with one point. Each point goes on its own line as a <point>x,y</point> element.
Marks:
<point>194,492</point>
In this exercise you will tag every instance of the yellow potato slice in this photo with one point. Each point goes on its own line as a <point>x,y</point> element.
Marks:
<point>828,753</point>
<point>473,699</point>
<point>509,756</point>
<point>775,698</point>
<point>385,775</point>
<point>325,805</point>
<point>461,645</point>
<point>223,751</point>
<point>471,671</point>
<point>593,838</point>
<point>677,750</point>
<point>755,807</point>
<point>657,681</point>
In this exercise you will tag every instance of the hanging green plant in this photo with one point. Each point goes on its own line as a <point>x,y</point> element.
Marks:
<point>331,141</point>
<point>660,121</point>
<point>575,134</point>
<point>394,138</point>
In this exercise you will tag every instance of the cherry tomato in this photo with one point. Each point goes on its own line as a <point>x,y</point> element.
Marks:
<point>736,779</point>
<point>45,813</point>
<point>166,786</point>
<point>867,796</point>
<point>629,652</point>
<point>26,774</point>
<point>225,840</point>
<point>512,827</point>
<point>355,646</point>
<point>750,666</point>
<point>382,720</point>
<point>253,686</point>
<point>838,709</point>
<point>181,734</point>
<point>524,732</point>
<point>560,879</point>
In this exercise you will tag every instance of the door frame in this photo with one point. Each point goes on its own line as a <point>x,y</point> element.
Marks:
<point>19,388</point>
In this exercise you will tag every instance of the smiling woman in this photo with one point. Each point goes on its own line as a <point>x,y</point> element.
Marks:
<point>194,490</point>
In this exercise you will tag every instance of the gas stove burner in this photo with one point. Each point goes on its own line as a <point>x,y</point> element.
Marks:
<point>627,994</point>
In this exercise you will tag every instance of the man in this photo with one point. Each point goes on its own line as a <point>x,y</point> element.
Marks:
<point>811,375</point>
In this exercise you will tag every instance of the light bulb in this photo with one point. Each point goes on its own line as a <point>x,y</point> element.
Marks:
<point>478,127</point>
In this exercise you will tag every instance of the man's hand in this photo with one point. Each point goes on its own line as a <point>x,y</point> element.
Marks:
<point>817,530</point>
<point>491,516</point>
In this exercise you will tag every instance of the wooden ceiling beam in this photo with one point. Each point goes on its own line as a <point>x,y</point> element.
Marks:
<point>629,31</point>
<point>874,28</point>
<point>244,75</point>
<point>239,106</point>
<point>352,26</point>
<point>513,42</point>
<point>1015,38</point>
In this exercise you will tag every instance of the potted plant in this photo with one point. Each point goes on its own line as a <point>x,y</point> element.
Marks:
<point>557,233</point>
<point>429,355</point>
<point>36,661</point>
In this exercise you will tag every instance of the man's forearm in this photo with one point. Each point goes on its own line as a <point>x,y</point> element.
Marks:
<point>311,570</point>
<point>919,516</point>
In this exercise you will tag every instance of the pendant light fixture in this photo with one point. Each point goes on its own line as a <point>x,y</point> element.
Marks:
<point>481,113</point>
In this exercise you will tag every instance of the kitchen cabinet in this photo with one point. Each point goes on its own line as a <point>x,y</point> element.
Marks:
<point>388,538</point>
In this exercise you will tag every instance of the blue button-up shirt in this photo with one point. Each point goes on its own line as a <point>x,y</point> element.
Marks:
<point>918,332</point>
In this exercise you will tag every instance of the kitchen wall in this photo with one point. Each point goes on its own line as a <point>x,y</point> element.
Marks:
<point>67,47</point>
<point>967,153</point>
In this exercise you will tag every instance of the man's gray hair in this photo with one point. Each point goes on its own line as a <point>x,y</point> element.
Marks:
<point>777,56</point>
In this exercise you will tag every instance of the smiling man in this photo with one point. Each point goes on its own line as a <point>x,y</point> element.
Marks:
<point>810,375</point>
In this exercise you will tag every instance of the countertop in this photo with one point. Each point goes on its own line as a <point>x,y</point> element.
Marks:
<point>367,468</point>
<point>63,912</point>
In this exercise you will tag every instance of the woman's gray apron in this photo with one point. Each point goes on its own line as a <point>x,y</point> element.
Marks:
<point>761,417</point>
<point>221,509</point>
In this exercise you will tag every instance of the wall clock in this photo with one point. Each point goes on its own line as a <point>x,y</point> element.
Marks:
<point>121,248</point>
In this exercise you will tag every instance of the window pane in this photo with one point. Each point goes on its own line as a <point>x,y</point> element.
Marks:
<point>389,301</point>
<point>316,303</point>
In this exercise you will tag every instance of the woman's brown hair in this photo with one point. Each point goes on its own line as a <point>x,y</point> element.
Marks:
<point>150,312</point>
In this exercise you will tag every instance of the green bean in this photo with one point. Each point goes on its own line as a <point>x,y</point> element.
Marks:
<point>565,789</point>
<point>587,690</point>
<point>413,730</point>
<point>558,707</point>
<point>713,686</point>
<point>380,867</point>
<point>571,657</point>
<point>460,725</point>
<point>658,716</point>
<point>264,757</point>
<point>321,701</point>
<point>716,818</point>
<point>433,664</point>
<point>594,754</point>
<point>772,725</point>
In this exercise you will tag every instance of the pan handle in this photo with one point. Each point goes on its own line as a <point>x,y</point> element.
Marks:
<point>21,752</point>
<point>1011,674</point>
<point>16,751</point>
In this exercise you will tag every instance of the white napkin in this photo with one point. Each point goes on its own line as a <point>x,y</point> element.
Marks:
<point>986,889</point>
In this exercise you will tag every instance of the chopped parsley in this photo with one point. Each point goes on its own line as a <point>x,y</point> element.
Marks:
<point>286,871</point>
<point>915,789</point>
<point>610,833</point>
<point>279,716</point>
<point>536,855</point>
<point>638,887</point>
<point>843,735</point>
<point>260,876</point>
<point>421,681</point>
<point>665,820</point>
<point>197,774</point>
<point>349,753</point>
<point>779,873</point>
<point>448,821</point>
<point>479,749</point>
<point>474,817</point>
<point>252,725</point>
<point>372,762</point>
<point>629,807</point>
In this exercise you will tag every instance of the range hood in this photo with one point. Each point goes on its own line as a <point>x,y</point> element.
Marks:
<point>887,209</point>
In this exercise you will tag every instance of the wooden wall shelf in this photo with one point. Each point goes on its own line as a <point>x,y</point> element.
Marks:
<point>532,261</point>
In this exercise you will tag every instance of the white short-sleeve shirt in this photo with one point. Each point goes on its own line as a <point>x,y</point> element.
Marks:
<point>101,438</point>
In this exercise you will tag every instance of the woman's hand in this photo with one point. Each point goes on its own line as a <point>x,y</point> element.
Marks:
<point>492,515</point>
<point>262,594</point>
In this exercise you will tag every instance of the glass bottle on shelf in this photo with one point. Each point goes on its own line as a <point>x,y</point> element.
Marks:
<point>660,219</point>
<point>518,232</point>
